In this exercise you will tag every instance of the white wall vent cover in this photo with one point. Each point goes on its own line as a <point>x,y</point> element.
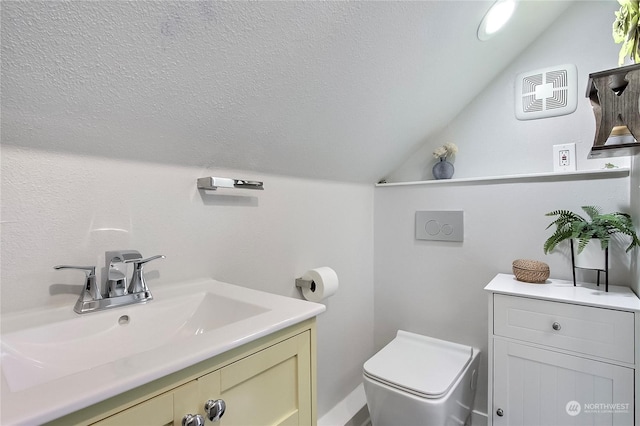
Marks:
<point>547,92</point>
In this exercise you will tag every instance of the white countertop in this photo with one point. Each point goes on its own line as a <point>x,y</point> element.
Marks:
<point>618,297</point>
<point>60,396</point>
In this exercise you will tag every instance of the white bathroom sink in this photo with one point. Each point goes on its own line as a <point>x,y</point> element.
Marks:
<point>40,354</point>
<point>70,361</point>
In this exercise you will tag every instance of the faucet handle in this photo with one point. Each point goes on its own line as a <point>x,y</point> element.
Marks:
<point>137,283</point>
<point>143,261</point>
<point>89,270</point>
<point>90,290</point>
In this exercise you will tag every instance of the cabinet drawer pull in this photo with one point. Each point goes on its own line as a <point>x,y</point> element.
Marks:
<point>191,420</point>
<point>215,409</point>
<point>556,326</point>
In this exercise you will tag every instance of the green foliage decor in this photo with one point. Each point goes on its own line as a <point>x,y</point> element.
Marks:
<point>600,226</point>
<point>626,31</point>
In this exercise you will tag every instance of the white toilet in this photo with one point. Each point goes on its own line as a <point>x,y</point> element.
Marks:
<point>421,381</point>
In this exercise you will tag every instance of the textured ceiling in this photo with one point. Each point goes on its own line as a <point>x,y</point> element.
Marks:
<point>330,90</point>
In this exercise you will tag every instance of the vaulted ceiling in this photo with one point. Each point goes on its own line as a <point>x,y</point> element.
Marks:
<point>329,90</point>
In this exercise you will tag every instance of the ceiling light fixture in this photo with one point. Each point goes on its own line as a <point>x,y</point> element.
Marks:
<point>496,17</point>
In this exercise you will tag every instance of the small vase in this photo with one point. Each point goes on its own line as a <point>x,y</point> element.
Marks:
<point>443,169</point>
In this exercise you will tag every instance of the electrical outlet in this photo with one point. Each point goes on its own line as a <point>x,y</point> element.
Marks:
<point>564,158</point>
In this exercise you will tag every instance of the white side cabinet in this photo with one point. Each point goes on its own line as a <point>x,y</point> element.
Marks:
<point>562,355</point>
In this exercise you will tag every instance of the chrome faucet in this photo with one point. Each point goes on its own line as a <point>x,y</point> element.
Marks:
<point>115,264</point>
<point>117,292</point>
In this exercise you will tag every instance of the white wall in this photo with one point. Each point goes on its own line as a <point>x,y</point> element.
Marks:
<point>492,141</point>
<point>69,209</point>
<point>436,288</point>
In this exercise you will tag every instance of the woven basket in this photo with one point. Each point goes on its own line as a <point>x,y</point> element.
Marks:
<point>530,271</point>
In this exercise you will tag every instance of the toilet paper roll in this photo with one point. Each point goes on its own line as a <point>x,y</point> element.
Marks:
<point>325,284</point>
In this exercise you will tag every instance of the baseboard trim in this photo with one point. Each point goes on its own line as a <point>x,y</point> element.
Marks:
<point>361,418</point>
<point>351,411</point>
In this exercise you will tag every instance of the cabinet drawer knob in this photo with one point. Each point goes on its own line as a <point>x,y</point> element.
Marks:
<point>556,326</point>
<point>191,420</point>
<point>215,409</point>
<point>500,412</point>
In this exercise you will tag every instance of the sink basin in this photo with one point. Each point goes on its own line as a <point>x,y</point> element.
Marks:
<point>67,361</point>
<point>41,354</point>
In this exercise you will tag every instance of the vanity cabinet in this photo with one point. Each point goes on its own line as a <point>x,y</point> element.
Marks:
<point>267,382</point>
<point>562,355</point>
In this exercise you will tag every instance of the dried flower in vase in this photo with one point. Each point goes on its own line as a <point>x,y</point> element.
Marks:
<point>446,150</point>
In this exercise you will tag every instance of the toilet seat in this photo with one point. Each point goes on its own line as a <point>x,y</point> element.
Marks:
<point>421,365</point>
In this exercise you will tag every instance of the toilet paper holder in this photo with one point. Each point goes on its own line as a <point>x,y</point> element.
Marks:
<point>317,284</point>
<point>302,283</point>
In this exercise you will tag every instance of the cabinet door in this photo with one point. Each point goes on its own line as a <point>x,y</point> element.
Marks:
<point>270,387</point>
<point>187,400</point>
<point>533,386</point>
<point>156,411</point>
<point>162,410</point>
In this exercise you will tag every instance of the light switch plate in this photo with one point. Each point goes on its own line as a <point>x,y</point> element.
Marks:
<point>440,225</point>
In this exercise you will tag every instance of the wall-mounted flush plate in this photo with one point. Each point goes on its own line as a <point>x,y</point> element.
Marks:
<point>439,225</point>
<point>564,157</point>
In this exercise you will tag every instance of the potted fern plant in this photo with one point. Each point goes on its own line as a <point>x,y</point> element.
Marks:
<point>591,235</point>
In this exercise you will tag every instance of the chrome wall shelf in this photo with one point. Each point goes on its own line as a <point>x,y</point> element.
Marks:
<point>213,183</point>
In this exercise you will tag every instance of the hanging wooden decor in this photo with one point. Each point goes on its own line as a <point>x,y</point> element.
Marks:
<point>614,96</point>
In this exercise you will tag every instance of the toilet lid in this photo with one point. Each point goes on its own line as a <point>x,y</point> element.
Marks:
<point>419,364</point>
